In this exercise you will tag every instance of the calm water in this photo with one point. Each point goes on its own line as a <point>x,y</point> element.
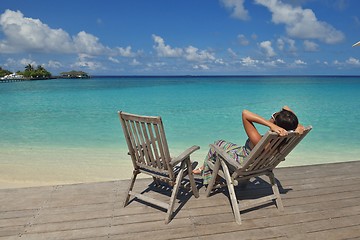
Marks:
<point>57,116</point>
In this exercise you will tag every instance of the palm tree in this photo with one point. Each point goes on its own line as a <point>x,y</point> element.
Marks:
<point>41,72</point>
<point>29,68</point>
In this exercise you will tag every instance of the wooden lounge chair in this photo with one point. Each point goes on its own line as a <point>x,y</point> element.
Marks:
<point>266,155</point>
<point>150,155</point>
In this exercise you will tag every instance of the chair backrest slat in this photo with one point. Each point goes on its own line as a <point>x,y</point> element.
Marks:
<point>154,144</point>
<point>270,151</point>
<point>160,142</point>
<point>261,157</point>
<point>140,147</point>
<point>133,140</point>
<point>147,143</point>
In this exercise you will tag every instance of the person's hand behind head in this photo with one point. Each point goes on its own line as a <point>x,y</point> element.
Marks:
<point>300,129</point>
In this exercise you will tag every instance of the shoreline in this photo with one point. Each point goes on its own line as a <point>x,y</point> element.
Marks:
<point>29,167</point>
<point>7,185</point>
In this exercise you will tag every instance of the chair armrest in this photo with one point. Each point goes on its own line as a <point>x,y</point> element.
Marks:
<point>184,155</point>
<point>225,156</point>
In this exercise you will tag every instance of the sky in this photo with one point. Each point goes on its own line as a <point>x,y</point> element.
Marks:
<point>183,37</point>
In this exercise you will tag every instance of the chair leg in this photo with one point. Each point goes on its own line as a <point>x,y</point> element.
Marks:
<point>276,192</point>
<point>230,185</point>
<point>132,181</point>
<point>156,181</point>
<point>213,177</point>
<point>191,178</point>
<point>174,194</point>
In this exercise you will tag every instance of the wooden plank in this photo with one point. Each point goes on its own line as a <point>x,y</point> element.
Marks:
<point>150,200</point>
<point>320,202</point>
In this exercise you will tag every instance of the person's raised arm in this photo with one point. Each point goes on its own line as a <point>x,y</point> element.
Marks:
<point>249,118</point>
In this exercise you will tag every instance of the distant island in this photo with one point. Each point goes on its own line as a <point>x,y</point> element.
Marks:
<point>74,74</point>
<point>39,73</point>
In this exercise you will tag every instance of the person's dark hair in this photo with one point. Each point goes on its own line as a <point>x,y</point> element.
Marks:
<point>287,120</point>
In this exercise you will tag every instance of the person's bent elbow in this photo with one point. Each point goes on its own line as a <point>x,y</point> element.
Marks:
<point>245,113</point>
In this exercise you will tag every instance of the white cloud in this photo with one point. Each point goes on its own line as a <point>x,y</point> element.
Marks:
<point>31,34</point>
<point>164,50</point>
<point>88,44</point>
<point>283,42</point>
<point>350,62</point>
<point>237,8</point>
<point>254,63</point>
<point>280,61</point>
<point>299,62</point>
<point>243,40</point>
<point>280,44</point>
<point>232,53</point>
<point>249,62</point>
<point>193,54</point>
<point>10,62</point>
<point>189,53</point>
<point>353,61</point>
<point>291,43</point>
<point>126,52</point>
<point>27,61</point>
<point>135,62</point>
<point>220,61</point>
<point>156,64</point>
<point>22,34</point>
<point>19,64</point>
<point>310,46</point>
<point>336,62</point>
<point>114,60</point>
<point>87,64</point>
<point>267,48</point>
<point>84,61</point>
<point>301,23</point>
<point>201,66</point>
<point>274,63</point>
<point>54,64</point>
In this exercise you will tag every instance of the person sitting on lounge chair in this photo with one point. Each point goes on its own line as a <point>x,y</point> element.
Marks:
<point>280,122</point>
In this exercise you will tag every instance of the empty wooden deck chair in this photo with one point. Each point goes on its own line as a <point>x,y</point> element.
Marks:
<point>266,155</point>
<point>150,155</point>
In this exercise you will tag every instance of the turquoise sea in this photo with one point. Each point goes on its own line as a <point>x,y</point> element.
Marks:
<point>64,131</point>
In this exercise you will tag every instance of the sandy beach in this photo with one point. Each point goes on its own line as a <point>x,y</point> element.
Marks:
<point>30,167</point>
<point>39,167</point>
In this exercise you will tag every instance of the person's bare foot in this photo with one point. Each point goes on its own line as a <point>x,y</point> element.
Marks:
<point>198,171</point>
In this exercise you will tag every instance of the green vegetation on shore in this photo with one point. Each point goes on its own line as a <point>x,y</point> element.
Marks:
<point>4,72</point>
<point>39,73</point>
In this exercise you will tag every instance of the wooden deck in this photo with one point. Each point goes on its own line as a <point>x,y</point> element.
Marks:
<point>321,202</point>
<point>11,80</point>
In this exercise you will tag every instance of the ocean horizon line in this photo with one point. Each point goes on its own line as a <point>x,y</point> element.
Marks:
<point>215,76</point>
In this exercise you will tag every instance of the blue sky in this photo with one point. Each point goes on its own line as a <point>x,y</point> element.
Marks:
<point>184,37</point>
